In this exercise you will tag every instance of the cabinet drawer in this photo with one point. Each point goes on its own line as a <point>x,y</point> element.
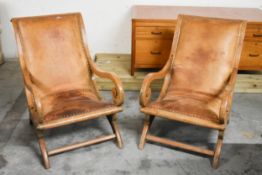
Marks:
<point>155,32</point>
<point>251,57</point>
<point>153,53</point>
<point>254,32</point>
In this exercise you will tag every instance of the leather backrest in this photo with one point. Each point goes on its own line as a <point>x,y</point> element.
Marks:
<point>52,53</point>
<point>204,52</point>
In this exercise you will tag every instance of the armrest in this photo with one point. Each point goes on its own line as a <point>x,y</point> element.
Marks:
<point>34,103</point>
<point>117,91</point>
<point>145,92</point>
<point>35,107</point>
<point>226,97</point>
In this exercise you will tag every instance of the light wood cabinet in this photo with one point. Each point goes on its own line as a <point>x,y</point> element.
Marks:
<point>153,29</point>
<point>251,57</point>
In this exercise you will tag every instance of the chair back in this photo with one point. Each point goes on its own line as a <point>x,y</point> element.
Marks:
<point>53,54</point>
<point>204,53</point>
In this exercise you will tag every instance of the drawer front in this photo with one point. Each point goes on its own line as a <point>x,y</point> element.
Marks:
<point>251,57</point>
<point>254,32</point>
<point>152,53</point>
<point>155,32</point>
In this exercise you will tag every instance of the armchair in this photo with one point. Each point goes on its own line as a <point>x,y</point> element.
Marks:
<point>58,77</point>
<point>199,79</point>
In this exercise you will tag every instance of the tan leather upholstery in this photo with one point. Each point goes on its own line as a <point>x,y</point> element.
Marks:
<point>54,54</point>
<point>203,62</point>
<point>71,103</point>
<point>190,105</point>
<point>57,67</point>
<point>205,53</point>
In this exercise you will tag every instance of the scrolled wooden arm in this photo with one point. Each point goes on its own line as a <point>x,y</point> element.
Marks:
<point>226,97</point>
<point>34,103</point>
<point>145,92</point>
<point>117,91</point>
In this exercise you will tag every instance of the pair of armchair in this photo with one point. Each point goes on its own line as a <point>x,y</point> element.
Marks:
<point>58,76</point>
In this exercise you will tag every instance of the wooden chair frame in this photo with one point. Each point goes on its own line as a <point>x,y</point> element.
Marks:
<point>165,73</point>
<point>34,107</point>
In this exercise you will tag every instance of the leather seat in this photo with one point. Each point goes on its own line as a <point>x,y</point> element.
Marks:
<point>205,108</point>
<point>72,103</point>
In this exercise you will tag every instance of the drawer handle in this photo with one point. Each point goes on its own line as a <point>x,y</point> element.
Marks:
<point>156,33</point>
<point>253,55</point>
<point>257,35</point>
<point>155,52</point>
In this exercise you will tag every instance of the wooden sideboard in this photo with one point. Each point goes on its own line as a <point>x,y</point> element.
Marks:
<point>153,29</point>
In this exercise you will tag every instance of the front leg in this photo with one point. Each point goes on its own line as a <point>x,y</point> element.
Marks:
<point>42,145</point>
<point>147,124</point>
<point>114,124</point>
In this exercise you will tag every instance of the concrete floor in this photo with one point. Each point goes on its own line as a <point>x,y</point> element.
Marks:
<point>19,152</point>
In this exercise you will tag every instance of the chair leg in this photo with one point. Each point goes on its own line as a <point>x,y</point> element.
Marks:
<point>114,124</point>
<point>43,149</point>
<point>147,123</point>
<point>217,153</point>
<point>30,118</point>
<point>30,122</point>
